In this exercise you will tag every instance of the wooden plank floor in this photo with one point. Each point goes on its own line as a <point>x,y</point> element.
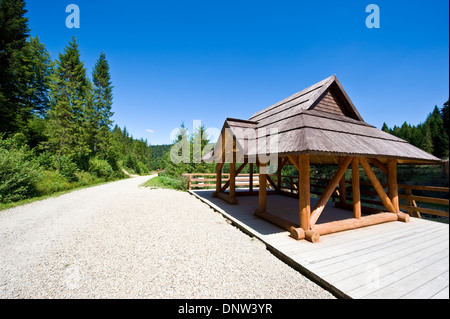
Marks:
<point>387,261</point>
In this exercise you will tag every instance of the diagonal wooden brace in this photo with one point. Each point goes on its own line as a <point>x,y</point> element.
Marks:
<point>320,206</point>
<point>377,185</point>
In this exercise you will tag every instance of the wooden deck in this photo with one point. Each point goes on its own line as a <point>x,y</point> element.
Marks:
<point>387,261</point>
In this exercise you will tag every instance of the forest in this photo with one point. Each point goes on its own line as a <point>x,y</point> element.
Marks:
<point>56,127</point>
<point>430,136</point>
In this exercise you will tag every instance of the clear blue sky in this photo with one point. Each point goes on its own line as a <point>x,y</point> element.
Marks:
<point>174,61</point>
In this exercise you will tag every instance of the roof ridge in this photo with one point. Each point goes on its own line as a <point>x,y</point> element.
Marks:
<point>311,88</point>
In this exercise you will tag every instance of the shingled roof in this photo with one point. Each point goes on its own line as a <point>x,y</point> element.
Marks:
<point>322,121</point>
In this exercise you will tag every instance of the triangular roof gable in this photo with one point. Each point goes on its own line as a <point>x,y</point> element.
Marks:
<point>308,99</point>
<point>335,100</point>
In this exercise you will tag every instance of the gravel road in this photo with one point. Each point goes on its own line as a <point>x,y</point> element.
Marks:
<point>119,240</point>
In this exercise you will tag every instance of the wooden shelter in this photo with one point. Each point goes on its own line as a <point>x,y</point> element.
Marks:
<point>318,125</point>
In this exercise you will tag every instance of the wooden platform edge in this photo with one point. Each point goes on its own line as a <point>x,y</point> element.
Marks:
<point>276,252</point>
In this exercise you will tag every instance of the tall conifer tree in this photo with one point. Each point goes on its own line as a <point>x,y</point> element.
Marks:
<point>70,103</point>
<point>13,35</point>
<point>102,101</point>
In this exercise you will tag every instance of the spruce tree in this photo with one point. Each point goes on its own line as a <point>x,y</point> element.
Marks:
<point>101,121</point>
<point>427,141</point>
<point>70,105</point>
<point>437,132</point>
<point>37,69</point>
<point>444,114</point>
<point>446,134</point>
<point>13,34</point>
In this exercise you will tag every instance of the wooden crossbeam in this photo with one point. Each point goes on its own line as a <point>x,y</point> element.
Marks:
<point>352,223</point>
<point>320,205</point>
<point>377,185</point>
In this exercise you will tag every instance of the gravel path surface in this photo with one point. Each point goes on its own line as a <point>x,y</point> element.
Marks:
<point>119,240</point>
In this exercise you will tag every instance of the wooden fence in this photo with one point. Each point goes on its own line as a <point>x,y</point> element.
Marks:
<point>205,180</point>
<point>410,195</point>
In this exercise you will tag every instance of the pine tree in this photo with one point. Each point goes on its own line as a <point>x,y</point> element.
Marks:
<point>427,141</point>
<point>199,140</point>
<point>200,147</point>
<point>444,114</point>
<point>437,132</point>
<point>70,105</point>
<point>102,101</point>
<point>13,34</point>
<point>37,69</point>
<point>446,134</point>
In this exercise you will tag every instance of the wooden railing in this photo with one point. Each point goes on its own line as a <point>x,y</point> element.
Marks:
<point>409,198</point>
<point>437,206</point>
<point>208,180</point>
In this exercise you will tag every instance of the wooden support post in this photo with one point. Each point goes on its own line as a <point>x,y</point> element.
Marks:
<point>356,189</point>
<point>232,180</point>
<point>250,186</point>
<point>392,183</point>
<point>218,179</point>
<point>342,189</point>
<point>304,192</point>
<point>189,182</point>
<point>377,185</point>
<point>279,167</point>
<point>320,206</point>
<point>262,190</point>
<point>410,203</point>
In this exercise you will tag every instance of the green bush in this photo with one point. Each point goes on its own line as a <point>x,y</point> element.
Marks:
<point>46,160</point>
<point>85,179</point>
<point>101,168</point>
<point>141,168</point>
<point>134,165</point>
<point>52,182</point>
<point>18,175</point>
<point>67,168</point>
<point>130,162</point>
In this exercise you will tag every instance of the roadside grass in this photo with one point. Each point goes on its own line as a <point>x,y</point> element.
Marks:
<point>54,187</point>
<point>165,182</point>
